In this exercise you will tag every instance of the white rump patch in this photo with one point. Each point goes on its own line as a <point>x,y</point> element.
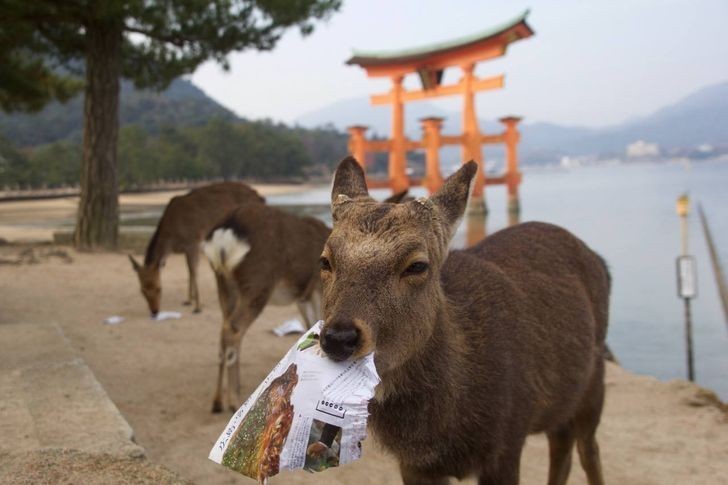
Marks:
<point>225,250</point>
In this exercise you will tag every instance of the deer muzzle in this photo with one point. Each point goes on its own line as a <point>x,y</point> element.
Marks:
<point>340,340</point>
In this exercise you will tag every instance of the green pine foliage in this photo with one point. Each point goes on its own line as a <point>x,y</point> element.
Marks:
<point>161,39</point>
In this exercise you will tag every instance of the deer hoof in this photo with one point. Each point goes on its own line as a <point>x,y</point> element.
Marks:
<point>197,310</point>
<point>187,303</point>
<point>216,407</point>
<point>232,408</point>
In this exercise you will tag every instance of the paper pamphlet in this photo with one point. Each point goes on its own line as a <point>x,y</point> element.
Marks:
<point>310,412</point>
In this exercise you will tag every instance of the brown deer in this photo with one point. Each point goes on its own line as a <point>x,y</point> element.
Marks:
<point>477,348</point>
<point>184,224</point>
<point>262,255</point>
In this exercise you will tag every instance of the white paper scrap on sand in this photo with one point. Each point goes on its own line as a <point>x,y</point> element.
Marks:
<point>113,320</point>
<point>293,325</point>
<point>166,316</point>
<point>310,412</point>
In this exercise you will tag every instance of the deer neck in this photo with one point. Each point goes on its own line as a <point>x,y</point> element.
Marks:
<point>434,370</point>
<point>157,250</point>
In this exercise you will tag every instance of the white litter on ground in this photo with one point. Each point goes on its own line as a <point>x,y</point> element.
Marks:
<point>166,316</point>
<point>113,320</point>
<point>293,325</point>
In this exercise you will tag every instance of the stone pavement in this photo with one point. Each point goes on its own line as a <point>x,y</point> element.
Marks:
<point>49,398</point>
<point>57,424</point>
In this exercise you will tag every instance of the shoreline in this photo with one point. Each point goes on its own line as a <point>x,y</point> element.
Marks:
<point>35,220</point>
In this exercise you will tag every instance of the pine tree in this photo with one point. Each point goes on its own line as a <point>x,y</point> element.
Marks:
<point>43,43</point>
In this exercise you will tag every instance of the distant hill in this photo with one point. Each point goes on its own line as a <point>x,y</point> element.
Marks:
<point>699,118</point>
<point>181,104</point>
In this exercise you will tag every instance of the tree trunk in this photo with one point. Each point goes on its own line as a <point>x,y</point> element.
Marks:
<point>97,225</point>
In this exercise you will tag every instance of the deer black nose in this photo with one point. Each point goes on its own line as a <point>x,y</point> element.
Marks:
<point>339,341</point>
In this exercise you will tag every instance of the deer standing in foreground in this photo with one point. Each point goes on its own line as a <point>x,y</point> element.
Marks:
<point>185,222</point>
<point>477,348</point>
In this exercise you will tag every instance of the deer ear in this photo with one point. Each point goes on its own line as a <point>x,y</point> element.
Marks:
<point>134,263</point>
<point>397,198</point>
<point>349,180</point>
<point>452,198</point>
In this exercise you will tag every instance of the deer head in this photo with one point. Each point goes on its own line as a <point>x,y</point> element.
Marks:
<point>150,284</point>
<point>380,267</point>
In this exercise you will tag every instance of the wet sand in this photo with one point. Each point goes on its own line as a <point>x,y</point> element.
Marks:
<point>161,375</point>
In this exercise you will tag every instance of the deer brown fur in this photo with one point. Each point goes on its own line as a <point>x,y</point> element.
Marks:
<point>476,348</point>
<point>261,255</point>
<point>184,224</point>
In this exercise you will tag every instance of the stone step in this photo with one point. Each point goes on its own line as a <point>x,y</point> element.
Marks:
<point>49,398</point>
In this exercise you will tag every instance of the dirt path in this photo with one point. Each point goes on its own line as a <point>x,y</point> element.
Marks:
<point>161,375</point>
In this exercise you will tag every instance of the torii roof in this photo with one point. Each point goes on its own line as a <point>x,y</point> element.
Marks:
<point>502,35</point>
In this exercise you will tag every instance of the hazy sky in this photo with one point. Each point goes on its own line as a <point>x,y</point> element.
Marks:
<point>591,62</point>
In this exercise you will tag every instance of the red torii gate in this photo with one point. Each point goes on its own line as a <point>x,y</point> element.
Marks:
<point>429,63</point>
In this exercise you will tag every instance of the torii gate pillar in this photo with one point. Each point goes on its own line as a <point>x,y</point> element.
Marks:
<point>358,144</point>
<point>432,141</point>
<point>511,137</point>
<point>398,150</point>
<point>472,142</point>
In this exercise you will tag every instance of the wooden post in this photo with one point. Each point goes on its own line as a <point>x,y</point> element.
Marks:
<point>432,140</point>
<point>358,144</point>
<point>683,209</point>
<point>511,137</point>
<point>471,141</point>
<point>720,278</point>
<point>398,153</point>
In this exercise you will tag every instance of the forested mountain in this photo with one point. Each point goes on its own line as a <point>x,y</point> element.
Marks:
<point>181,104</point>
<point>179,133</point>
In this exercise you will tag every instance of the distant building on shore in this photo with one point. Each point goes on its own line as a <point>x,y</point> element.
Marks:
<point>642,149</point>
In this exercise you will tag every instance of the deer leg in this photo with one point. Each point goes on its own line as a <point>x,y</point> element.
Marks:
<point>232,362</point>
<point>244,314</point>
<point>226,297</point>
<point>305,308</point>
<point>193,295</point>
<point>411,477</point>
<point>507,469</point>
<point>590,461</point>
<point>316,305</point>
<point>561,443</point>
<point>217,400</point>
<point>587,421</point>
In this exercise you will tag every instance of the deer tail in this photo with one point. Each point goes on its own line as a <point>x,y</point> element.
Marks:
<point>225,249</point>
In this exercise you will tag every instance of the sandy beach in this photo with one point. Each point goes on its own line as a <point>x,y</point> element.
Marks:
<point>161,376</point>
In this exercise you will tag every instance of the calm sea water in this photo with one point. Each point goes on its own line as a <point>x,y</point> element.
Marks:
<point>627,214</point>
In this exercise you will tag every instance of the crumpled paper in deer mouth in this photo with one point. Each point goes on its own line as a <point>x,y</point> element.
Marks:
<point>310,412</point>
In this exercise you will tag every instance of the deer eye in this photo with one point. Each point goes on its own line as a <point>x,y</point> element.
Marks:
<point>324,264</point>
<point>418,267</point>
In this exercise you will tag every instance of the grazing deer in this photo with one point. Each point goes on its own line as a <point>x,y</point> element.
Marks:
<point>477,348</point>
<point>185,222</point>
